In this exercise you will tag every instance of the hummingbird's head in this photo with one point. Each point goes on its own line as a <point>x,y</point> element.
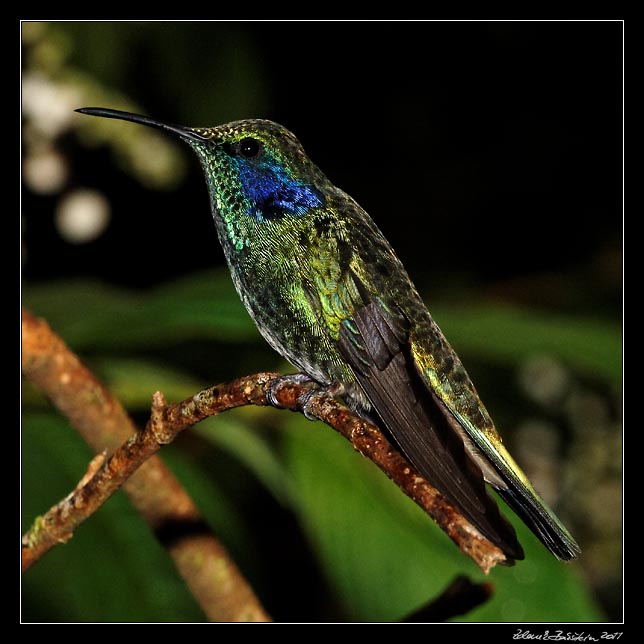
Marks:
<point>258,168</point>
<point>254,168</point>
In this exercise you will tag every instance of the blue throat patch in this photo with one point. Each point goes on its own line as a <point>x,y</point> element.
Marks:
<point>272,193</point>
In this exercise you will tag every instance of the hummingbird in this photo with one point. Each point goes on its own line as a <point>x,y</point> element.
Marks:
<point>328,293</point>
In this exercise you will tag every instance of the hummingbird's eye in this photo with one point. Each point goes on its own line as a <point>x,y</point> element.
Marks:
<point>249,148</point>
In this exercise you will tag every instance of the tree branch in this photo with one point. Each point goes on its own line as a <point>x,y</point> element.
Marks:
<point>459,598</point>
<point>216,583</point>
<point>166,421</point>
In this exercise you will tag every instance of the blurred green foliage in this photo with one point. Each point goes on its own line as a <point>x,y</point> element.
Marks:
<point>319,532</point>
<point>386,559</point>
<point>205,306</point>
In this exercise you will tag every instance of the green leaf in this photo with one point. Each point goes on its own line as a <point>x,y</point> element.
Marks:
<point>201,476</point>
<point>133,381</point>
<point>509,335</point>
<point>386,558</point>
<point>93,315</point>
<point>243,441</point>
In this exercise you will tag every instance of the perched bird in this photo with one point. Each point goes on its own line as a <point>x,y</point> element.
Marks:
<point>328,293</point>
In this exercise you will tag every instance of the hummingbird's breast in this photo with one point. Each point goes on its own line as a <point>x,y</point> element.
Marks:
<point>288,279</point>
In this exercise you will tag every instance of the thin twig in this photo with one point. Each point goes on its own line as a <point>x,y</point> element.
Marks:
<point>213,578</point>
<point>459,598</point>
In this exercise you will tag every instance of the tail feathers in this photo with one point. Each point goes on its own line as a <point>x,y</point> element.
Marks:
<point>544,524</point>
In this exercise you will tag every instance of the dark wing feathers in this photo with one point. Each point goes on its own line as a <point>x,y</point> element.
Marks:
<point>545,527</point>
<point>381,335</point>
<point>374,341</point>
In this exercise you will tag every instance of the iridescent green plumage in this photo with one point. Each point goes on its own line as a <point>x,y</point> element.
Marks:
<point>327,292</point>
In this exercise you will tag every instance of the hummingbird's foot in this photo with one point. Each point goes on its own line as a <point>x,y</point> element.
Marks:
<point>299,379</point>
<point>306,400</point>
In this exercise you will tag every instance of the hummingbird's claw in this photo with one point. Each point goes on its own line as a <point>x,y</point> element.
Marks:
<point>298,379</point>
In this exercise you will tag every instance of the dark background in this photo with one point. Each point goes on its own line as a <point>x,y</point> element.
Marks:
<point>489,153</point>
<point>485,148</point>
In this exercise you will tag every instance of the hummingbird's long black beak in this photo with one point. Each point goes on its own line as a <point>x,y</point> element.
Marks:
<point>184,132</point>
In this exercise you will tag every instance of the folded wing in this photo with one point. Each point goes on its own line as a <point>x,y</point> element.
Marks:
<point>375,343</point>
